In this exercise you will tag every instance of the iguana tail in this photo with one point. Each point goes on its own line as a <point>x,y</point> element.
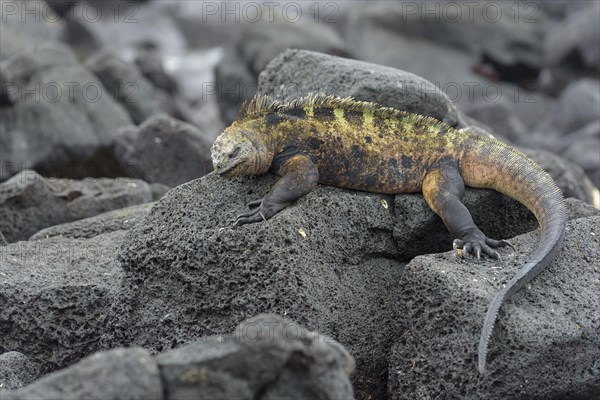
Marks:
<point>488,163</point>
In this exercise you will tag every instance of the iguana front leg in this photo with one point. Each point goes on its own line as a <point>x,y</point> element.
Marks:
<point>299,175</point>
<point>443,189</point>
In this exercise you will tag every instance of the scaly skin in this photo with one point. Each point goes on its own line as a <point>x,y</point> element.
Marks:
<point>361,146</point>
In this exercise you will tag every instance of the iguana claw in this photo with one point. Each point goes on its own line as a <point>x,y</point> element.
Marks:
<point>262,210</point>
<point>500,243</point>
<point>477,246</point>
<point>255,203</point>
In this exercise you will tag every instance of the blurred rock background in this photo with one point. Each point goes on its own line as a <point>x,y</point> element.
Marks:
<point>106,105</point>
<point>75,73</point>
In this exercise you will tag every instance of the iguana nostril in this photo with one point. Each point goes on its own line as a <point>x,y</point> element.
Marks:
<point>235,152</point>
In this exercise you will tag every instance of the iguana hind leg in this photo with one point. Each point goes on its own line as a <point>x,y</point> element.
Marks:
<point>299,175</point>
<point>443,189</point>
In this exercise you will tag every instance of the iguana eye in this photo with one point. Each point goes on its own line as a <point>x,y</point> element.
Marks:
<point>235,152</point>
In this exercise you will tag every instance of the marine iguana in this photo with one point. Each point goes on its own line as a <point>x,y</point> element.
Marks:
<point>363,146</point>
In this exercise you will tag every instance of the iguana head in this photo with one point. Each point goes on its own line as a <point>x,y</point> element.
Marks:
<point>234,153</point>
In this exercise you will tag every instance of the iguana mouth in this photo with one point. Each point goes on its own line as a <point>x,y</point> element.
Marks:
<point>224,171</point>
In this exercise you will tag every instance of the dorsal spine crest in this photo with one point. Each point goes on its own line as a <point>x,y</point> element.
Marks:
<point>261,105</point>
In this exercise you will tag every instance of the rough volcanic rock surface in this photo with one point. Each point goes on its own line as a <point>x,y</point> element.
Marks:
<point>55,297</point>
<point>30,202</point>
<point>330,262</point>
<point>586,154</point>
<point>580,209</point>
<point>419,231</point>
<point>16,371</point>
<point>188,273</point>
<point>121,219</point>
<point>266,357</point>
<point>295,73</point>
<point>547,338</point>
<point>164,150</point>
<point>116,374</point>
<point>327,263</point>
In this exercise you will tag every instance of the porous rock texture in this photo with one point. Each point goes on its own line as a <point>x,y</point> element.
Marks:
<point>329,262</point>
<point>15,371</point>
<point>120,219</point>
<point>55,297</point>
<point>30,202</point>
<point>266,357</point>
<point>419,231</point>
<point>547,339</point>
<point>295,73</point>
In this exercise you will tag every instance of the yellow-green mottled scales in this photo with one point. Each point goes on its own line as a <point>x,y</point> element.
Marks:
<point>359,145</point>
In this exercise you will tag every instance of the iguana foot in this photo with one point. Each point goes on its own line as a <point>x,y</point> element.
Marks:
<point>264,209</point>
<point>477,243</point>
